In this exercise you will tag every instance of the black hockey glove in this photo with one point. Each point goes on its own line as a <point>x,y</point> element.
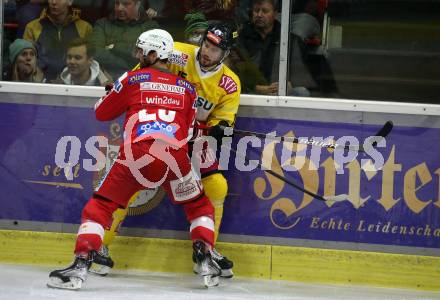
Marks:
<point>108,88</point>
<point>218,131</point>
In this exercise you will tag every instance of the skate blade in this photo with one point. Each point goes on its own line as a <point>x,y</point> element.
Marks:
<point>210,281</point>
<point>75,283</point>
<point>227,273</point>
<point>99,270</point>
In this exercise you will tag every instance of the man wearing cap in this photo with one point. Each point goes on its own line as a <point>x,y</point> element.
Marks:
<point>196,26</point>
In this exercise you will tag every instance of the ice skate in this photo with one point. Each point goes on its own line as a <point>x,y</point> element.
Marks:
<point>207,268</point>
<point>102,262</point>
<point>224,263</point>
<point>72,277</point>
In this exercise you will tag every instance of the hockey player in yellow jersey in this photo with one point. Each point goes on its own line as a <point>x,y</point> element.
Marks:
<point>218,89</point>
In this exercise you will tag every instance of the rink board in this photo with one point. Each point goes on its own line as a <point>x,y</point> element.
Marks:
<point>271,229</point>
<point>256,261</point>
<point>397,205</point>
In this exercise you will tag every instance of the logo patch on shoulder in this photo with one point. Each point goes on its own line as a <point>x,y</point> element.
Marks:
<point>186,85</point>
<point>178,58</point>
<point>117,86</point>
<point>228,84</point>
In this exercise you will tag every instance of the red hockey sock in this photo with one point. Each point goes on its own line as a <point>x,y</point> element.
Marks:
<point>200,214</point>
<point>96,216</point>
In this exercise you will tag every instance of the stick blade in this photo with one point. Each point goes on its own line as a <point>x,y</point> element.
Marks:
<point>384,131</point>
<point>337,198</point>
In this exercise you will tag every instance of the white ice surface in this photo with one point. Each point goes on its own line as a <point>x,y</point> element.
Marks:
<point>20,282</point>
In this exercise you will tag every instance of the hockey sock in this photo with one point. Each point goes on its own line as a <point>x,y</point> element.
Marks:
<point>218,214</point>
<point>118,217</point>
<point>89,238</point>
<point>96,215</point>
<point>202,229</point>
<point>216,188</point>
<point>200,214</point>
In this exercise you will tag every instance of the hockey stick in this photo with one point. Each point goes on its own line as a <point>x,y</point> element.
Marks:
<point>383,132</point>
<point>337,198</point>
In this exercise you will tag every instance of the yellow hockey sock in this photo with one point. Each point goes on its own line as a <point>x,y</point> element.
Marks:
<point>118,217</point>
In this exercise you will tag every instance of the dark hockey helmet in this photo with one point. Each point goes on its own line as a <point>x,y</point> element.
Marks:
<point>221,34</point>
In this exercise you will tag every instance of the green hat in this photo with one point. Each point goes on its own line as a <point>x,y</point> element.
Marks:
<point>195,20</point>
<point>17,46</point>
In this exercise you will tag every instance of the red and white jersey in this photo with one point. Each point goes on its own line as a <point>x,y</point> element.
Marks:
<point>161,104</point>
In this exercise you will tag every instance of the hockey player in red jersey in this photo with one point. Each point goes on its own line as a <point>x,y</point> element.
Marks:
<point>160,114</point>
<point>218,97</point>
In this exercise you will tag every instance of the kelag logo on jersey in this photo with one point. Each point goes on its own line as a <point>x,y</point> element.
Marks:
<point>186,84</point>
<point>228,84</point>
<point>178,58</point>
<point>156,127</point>
<point>140,77</point>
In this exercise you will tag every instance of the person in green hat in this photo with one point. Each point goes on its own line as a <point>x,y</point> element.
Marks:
<point>196,25</point>
<point>23,59</point>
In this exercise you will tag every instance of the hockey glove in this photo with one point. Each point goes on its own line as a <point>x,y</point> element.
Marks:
<point>200,129</point>
<point>218,131</point>
<point>108,88</point>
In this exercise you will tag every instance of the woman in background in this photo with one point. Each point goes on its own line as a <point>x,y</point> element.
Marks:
<point>23,59</point>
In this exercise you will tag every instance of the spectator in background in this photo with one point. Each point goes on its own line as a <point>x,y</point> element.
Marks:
<point>242,12</point>
<point>260,40</point>
<point>196,25</point>
<point>213,9</point>
<point>23,58</point>
<point>305,30</point>
<point>304,23</point>
<point>81,68</point>
<point>249,74</point>
<point>154,8</point>
<point>56,26</point>
<point>168,9</point>
<point>27,10</point>
<point>114,37</point>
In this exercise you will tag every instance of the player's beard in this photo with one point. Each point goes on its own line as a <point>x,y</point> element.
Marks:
<point>145,62</point>
<point>206,64</point>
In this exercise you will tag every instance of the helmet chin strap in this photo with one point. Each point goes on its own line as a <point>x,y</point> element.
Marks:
<point>224,55</point>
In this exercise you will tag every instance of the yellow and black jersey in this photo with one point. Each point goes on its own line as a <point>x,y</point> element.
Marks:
<point>218,91</point>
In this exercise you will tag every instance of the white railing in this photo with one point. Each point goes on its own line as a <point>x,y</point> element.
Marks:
<point>248,100</point>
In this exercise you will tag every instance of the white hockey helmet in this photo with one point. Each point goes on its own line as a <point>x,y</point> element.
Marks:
<point>157,40</point>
